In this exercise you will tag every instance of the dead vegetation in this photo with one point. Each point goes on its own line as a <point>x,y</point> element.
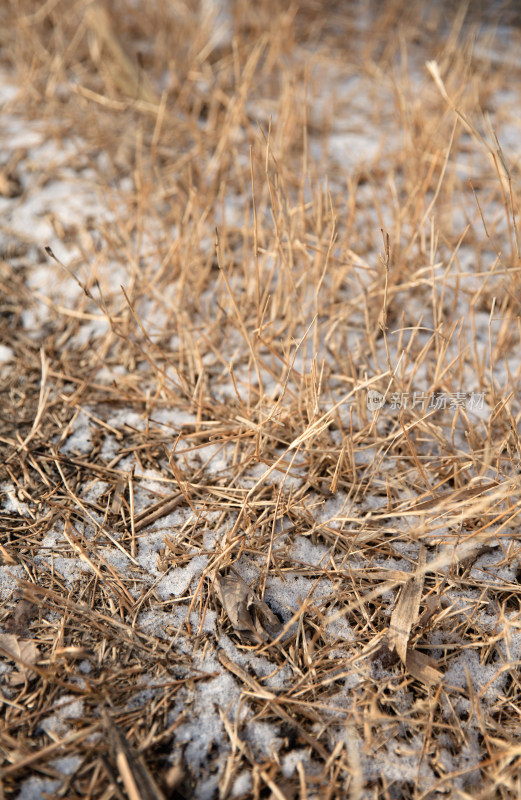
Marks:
<point>259,312</point>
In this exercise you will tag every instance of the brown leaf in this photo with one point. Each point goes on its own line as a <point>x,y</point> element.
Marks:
<point>18,622</point>
<point>249,615</point>
<point>423,668</point>
<point>406,610</point>
<point>24,652</point>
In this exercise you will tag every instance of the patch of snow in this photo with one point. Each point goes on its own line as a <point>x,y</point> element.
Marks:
<point>37,787</point>
<point>178,579</point>
<point>242,784</point>
<point>57,726</point>
<point>8,579</point>
<point>6,354</point>
<point>79,439</point>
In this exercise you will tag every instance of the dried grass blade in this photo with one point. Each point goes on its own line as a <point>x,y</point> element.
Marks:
<point>42,403</point>
<point>127,76</point>
<point>274,702</point>
<point>134,773</point>
<point>45,752</point>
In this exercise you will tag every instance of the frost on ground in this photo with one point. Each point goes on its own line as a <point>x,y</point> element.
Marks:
<point>259,366</point>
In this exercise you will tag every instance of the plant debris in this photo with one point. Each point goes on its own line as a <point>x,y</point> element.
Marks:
<point>249,615</point>
<point>260,400</point>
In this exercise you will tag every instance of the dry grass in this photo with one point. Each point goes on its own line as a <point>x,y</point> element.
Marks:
<point>187,444</point>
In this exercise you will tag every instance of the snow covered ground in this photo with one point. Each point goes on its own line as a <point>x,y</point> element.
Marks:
<point>327,558</point>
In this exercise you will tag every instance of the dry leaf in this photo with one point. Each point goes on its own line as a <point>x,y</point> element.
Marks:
<point>423,668</point>
<point>18,622</point>
<point>249,615</point>
<point>24,652</point>
<point>117,497</point>
<point>406,611</point>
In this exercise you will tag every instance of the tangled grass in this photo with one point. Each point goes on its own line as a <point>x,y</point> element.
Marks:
<point>260,406</point>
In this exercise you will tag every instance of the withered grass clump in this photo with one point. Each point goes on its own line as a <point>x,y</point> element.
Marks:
<point>259,376</point>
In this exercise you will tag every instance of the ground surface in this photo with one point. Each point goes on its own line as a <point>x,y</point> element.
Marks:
<point>259,424</point>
